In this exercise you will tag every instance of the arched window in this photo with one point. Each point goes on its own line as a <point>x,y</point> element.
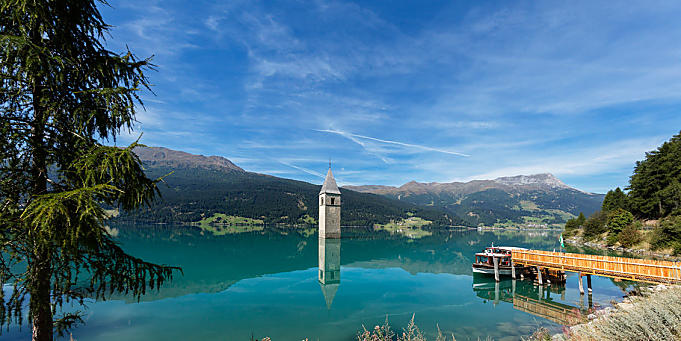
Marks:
<point>321,202</point>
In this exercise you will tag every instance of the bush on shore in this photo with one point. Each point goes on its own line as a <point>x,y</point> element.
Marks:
<point>656,316</point>
<point>630,235</point>
<point>668,234</point>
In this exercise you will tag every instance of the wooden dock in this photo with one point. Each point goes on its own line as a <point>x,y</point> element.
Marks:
<point>554,311</point>
<point>643,270</point>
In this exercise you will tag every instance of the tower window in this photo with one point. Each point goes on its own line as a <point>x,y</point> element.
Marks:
<point>322,201</point>
<point>332,200</point>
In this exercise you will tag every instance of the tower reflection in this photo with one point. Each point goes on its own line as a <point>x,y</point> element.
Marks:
<point>329,268</point>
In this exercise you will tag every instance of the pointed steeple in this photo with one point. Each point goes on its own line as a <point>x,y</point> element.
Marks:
<point>329,185</point>
<point>329,291</point>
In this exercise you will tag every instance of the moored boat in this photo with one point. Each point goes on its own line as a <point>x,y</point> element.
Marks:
<point>484,261</point>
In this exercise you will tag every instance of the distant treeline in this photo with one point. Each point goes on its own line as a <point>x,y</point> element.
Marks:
<point>190,194</point>
<point>653,195</point>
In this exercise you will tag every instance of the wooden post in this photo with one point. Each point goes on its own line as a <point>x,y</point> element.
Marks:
<point>541,280</point>
<point>496,293</point>
<point>581,285</point>
<point>513,287</point>
<point>496,268</point>
<point>512,270</point>
<point>588,283</point>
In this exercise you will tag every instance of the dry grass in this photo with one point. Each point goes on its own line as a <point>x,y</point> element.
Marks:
<point>656,316</point>
<point>410,333</point>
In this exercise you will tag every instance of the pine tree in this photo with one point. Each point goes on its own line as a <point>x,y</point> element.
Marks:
<point>614,199</point>
<point>654,189</point>
<point>581,219</point>
<point>63,94</point>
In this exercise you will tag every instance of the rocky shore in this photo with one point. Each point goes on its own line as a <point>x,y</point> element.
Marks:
<point>580,242</point>
<point>654,314</point>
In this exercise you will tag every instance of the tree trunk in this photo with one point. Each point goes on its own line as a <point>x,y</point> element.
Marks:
<point>41,308</point>
<point>41,270</point>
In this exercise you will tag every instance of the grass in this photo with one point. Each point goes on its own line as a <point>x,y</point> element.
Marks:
<point>655,316</point>
<point>222,224</point>
<point>410,227</point>
<point>306,219</point>
<point>410,333</point>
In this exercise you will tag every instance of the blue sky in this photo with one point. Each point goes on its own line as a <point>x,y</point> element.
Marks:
<point>394,91</point>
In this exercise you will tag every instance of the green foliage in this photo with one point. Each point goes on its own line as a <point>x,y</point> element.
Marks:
<point>668,234</point>
<point>573,225</point>
<point>581,220</point>
<point>62,94</point>
<point>618,219</point>
<point>654,188</point>
<point>595,225</point>
<point>614,200</point>
<point>630,235</point>
<point>611,238</point>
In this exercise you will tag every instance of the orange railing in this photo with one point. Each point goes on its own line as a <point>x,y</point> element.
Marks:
<point>645,270</point>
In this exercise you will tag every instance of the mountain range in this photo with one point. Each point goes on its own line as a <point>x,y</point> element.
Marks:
<point>197,187</point>
<point>539,200</point>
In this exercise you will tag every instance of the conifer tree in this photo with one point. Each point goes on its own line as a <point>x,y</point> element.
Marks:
<point>63,94</point>
<point>614,199</point>
<point>654,189</point>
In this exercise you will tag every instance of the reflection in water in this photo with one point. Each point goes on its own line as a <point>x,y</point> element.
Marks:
<point>530,298</point>
<point>329,268</point>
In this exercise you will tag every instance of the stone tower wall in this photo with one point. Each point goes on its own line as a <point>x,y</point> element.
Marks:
<point>329,216</point>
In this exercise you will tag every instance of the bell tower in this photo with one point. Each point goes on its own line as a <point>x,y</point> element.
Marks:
<point>329,208</point>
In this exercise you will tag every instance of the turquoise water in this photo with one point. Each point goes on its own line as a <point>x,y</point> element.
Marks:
<point>267,283</point>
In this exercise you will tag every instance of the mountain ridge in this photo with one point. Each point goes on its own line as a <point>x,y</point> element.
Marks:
<point>544,181</point>
<point>201,186</point>
<point>198,187</point>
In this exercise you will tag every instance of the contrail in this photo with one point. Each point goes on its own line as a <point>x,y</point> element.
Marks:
<point>308,171</point>
<point>415,146</point>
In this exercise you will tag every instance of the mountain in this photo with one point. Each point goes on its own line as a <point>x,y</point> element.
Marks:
<point>164,157</point>
<point>196,187</point>
<point>525,200</point>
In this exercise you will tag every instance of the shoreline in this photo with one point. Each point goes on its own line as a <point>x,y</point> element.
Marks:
<point>579,242</point>
<point>624,318</point>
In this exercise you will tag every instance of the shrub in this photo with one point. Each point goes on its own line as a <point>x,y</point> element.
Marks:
<point>655,317</point>
<point>411,333</point>
<point>668,234</point>
<point>612,238</point>
<point>618,219</point>
<point>630,235</point>
<point>595,225</point>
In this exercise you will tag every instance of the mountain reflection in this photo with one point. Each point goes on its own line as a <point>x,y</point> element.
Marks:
<point>214,263</point>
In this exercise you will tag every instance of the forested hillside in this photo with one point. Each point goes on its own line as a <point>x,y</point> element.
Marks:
<point>653,198</point>
<point>531,201</point>
<point>191,192</point>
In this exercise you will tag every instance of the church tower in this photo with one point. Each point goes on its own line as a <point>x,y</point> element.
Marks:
<point>329,268</point>
<point>329,208</point>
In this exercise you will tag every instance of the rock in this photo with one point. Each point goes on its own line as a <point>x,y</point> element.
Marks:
<point>625,306</point>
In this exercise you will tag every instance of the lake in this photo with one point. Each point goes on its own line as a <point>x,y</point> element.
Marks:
<point>267,283</point>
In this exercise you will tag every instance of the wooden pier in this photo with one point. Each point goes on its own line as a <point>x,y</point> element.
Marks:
<point>642,270</point>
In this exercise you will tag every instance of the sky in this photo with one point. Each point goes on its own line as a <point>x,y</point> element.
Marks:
<point>395,91</point>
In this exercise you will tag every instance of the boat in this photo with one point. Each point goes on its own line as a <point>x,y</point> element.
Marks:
<point>484,261</point>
